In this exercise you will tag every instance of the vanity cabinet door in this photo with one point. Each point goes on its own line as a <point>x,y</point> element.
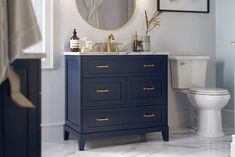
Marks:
<point>20,132</point>
<point>123,118</point>
<point>1,119</point>
<point>143,90</point>
<point>100,92</point>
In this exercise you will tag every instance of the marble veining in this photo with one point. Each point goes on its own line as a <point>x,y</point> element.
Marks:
<point>181,144</point>
<point>115,53</point>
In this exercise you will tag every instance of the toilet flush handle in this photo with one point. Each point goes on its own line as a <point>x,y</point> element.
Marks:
<point>232,43</point>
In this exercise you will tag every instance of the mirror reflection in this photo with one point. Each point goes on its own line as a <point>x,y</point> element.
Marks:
<point>106,14</point>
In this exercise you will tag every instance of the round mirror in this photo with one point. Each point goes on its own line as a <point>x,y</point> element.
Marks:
<point>106,14</point>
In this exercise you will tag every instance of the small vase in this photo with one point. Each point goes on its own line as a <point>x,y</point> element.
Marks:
<point>146,43</point>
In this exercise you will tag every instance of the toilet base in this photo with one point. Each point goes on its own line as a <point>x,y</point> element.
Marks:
<point>210,123</point>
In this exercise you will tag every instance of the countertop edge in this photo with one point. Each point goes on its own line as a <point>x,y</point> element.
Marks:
<point>31,56</point>
<point>113,53</point>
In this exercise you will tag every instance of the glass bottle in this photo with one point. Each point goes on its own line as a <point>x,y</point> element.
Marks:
<point>75,42</point>
<point>135,42</point>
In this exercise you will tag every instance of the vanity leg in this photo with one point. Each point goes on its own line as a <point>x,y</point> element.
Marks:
<point>81,142</point>
<point>165,134</point>
<point>66,135</point>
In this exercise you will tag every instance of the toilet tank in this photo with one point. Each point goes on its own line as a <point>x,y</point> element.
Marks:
<point>188,71</point>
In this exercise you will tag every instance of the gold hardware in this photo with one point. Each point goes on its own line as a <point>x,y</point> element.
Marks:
<point>102,91</point>
<point>149,65</point>
<point>102,66</point>
<point>110,38</point>
<point>102,119</point>
<point>149,115</point>
<point>149,88</point>
<point>103,47</point>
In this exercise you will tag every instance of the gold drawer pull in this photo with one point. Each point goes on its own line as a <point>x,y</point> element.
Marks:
<point>149,115</point>
<point>102,91</point>
<point>149,65</point>
<point>149,88</point>
<point>102,66</point>
<point>102,119</point>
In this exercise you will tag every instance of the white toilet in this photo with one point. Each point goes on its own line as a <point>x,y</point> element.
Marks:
<point>188,75</point>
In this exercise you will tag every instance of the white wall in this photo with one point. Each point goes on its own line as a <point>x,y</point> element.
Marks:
<point>180,34</point>
<point>225,32</point>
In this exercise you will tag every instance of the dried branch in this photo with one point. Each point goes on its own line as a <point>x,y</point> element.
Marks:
<point>155,16</point>
<point>146,20</point>
<point>153,22</point>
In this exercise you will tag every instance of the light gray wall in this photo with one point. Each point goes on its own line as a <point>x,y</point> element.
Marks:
<point>180,34</point>
<point>225,32</point>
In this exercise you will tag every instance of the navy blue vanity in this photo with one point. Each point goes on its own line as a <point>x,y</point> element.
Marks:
<point>110,95</point>
<point>20,131</point>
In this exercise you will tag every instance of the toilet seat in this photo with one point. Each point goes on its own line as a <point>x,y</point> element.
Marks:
<point>208,91</point>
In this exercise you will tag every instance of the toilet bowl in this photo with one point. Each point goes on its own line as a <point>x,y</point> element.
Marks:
<point>188,75</point>
<point>209,103</point>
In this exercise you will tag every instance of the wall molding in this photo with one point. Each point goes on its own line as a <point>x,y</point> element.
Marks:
<point>48,62</point>
<point>52,132</point>
<point>52,125</point>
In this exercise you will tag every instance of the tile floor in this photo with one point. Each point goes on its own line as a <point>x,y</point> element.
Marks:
<point>182,144</point>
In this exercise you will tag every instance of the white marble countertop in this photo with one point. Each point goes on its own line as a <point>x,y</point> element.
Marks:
<point>114,53</point>
<point>32,56</point>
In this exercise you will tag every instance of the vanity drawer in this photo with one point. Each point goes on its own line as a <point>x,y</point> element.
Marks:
<point>94,66</point>
<point>147,90</point>
<point>123,118</point>
<point>104,65</point>
<point>155,65</point>
<point>101,92</point>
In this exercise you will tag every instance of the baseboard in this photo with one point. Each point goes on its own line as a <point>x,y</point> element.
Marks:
<point>179,119</point>
<point>52,132</point>
<point>51,125</point>
<point>228,118</point>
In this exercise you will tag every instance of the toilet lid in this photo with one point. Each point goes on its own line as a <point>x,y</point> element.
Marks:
<point>209,91</point>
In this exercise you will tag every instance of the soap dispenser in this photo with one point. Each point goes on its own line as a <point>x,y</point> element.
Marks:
<point>75,42</point>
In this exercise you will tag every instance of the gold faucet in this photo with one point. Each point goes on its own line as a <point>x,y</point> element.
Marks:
<point>109,44</point>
